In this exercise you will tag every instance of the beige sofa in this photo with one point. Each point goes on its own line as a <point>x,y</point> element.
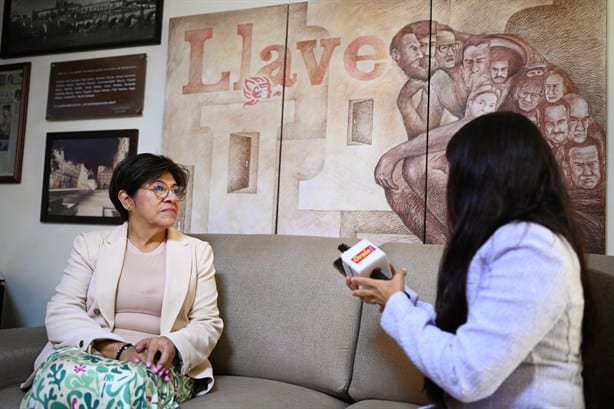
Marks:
<point>295,338</point>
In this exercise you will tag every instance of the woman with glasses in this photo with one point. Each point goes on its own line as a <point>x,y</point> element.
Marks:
<point>135,316</point>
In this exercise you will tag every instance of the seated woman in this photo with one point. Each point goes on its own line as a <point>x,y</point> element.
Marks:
<point>510,323</point>
<point>135,315</point>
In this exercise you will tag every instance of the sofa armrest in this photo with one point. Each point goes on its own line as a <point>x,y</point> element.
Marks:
<point>19,347</point>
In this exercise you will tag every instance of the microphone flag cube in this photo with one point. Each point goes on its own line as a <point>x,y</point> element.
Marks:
<point>366,259</point>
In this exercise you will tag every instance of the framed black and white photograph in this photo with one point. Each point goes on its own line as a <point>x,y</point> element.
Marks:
<point>34,27</point>
<point>78,169</point>
<point>14,87</point>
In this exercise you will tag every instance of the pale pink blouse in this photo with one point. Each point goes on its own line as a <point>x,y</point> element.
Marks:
<point>139,293</point>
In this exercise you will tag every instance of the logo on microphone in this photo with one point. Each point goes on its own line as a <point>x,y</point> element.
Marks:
<point>363,254</point>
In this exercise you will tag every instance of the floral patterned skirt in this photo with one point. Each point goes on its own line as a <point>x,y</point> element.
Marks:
<point>73,379</point>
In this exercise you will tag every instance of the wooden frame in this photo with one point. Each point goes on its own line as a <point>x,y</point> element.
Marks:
<point>14,88</point>
<point>78,25</point>
<point>78,168</point>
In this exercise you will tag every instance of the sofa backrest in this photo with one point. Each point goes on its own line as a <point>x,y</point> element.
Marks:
<point>381,369</point>
<point>287,313</point>
<point>289,317</point>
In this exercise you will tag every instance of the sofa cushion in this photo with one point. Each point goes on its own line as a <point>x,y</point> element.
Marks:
<point>18,349</point>
<point>10,397</point>
<point>382,404</point>
<point>599,364</point>
<point>381,369</point>
<point>236,392</point>
<point>287,313</point>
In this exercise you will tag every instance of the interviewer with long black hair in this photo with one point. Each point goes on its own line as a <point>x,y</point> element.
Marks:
<point>507,326</point>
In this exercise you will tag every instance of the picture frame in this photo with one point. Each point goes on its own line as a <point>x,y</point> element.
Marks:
<point>14,90</point>
<point>94,88</point>
<point>33,28</point>
<point>77,172</point>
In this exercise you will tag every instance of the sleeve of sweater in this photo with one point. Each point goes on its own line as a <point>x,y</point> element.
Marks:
<point>519,295</point>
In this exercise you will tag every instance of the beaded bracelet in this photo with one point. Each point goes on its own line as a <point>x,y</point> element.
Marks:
<point>121,350</point>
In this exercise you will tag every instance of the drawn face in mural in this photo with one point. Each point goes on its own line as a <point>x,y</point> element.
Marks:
<point>482,103</point>
<point>499,71</point>
<point>475,62</point>
<point>528,95</point>
<point>585,169</point>
<point>554,88</point>
<point>427,48</point>
<point>409,57</point>
<point>579,120</point>
<point>446,49</point>
<point>556,124</point>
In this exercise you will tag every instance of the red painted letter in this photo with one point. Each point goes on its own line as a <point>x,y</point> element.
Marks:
<point>317,70</point>
<point>245,31</point>
<point>351,57</point>
<point>274,70</point>
<point>197,39</point>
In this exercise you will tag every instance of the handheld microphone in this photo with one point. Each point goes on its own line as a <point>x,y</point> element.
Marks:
<point>363,259</point>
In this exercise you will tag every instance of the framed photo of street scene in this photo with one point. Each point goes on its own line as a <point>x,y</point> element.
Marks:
<point>77,172</point>
<point>36,27</point>
<point>14,87</point>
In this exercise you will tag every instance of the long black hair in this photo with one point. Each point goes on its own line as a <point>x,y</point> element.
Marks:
<point>501,169</point>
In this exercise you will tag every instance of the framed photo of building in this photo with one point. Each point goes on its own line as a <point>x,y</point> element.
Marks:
<point>14,87</point>
<point>77,172</point>
<point>37,27</point>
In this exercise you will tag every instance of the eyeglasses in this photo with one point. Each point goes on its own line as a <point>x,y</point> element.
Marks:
<point>524,94</point>
<point>161,190</point>
<point>443,48</point>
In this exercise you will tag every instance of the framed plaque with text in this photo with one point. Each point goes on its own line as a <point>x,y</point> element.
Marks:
<point>97,88</point>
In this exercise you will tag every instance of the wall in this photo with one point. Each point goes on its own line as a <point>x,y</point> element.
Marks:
<point>33,254</point>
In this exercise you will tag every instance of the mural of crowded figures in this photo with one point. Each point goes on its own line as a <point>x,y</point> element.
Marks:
<point>466,75</point>
<point>336,123</point>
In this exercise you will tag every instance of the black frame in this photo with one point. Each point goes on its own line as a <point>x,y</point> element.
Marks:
<point>74,29</point>
<point>19,103</point>
<point>75,155</point>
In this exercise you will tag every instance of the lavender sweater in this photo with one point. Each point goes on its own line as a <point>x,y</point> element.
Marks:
<point>520,346</point>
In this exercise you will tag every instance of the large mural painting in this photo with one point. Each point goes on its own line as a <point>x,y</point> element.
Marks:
<point>331,117</point>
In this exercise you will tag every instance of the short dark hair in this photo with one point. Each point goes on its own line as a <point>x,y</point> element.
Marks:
<point>132,173</point>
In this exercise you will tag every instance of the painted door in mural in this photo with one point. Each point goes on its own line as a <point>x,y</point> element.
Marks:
<point>337,115</point>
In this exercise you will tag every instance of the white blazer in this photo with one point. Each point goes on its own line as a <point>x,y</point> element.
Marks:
<point>83,307</point>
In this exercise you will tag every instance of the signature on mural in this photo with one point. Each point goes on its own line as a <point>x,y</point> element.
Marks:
<point>453,77</point>
<point>256,89</point>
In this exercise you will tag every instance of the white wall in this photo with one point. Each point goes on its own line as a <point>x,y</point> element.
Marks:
<point>33,254</point>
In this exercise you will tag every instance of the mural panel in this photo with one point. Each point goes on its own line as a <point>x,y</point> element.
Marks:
<point>331,117</point>
<point>223,115</point>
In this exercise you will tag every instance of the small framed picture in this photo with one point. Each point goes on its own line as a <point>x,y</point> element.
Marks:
<point>14,87</point>
<point>35,27</point>
<point>77,173</point>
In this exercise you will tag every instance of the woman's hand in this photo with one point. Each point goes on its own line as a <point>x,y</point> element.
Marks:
<point>372,291</point>
<point>159,354</point>
<point>109,349</point>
